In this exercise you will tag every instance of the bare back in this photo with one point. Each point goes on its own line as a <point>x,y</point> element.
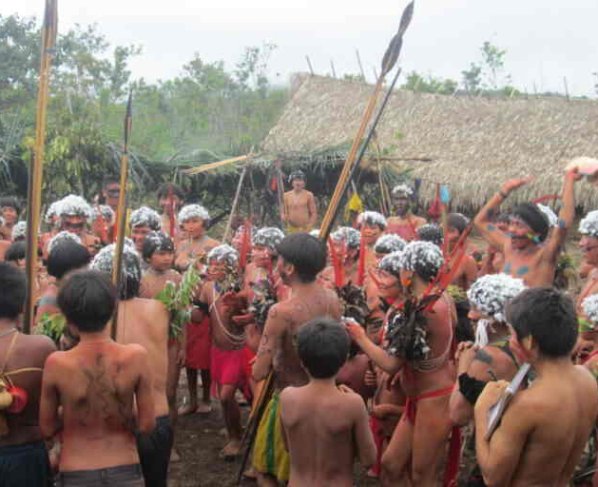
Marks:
<point>291,314</point>
<point>95,383</point>
<point>323,446</point>
<point>145,322</point>
<point>27,351</point>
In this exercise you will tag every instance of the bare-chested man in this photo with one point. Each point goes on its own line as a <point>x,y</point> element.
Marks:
<point>417,446</point>
<point>23,456</point>
<point>144,322</point>
<point>300,212</point>
<point>301,258</point>
<point>530,252</point>
<point>96,385</point>
<point>588,228</point>
<point>170,200</point>
<point>545,427</point>
<point>324,428</point>
<point>404,223</point>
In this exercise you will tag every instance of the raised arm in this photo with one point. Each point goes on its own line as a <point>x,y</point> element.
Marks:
<point>566,217</point>
<point>499,457</point>
<point>378,355</point>
<point>483,220</point>
<point>269,343</point>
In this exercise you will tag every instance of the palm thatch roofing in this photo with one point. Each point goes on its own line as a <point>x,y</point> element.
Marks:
<point>471,144</point>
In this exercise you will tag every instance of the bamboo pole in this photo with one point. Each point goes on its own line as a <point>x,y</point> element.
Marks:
<point>233,210</point>
<point>49,31</point>
<point>121,210</point>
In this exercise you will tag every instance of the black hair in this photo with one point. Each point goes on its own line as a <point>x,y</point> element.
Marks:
<point>108,180</point>
<point>17,251</point>
<point>65,256</point>
<point>548,315</point>
<point>306,253</point>
<point>13,289</point>
<point>12,202</point>
<point>323,347</point>
<point>533,217</point>
<point>430,232</point>
<point>165,188</point>
<point>457,221</point>
<point>87,299</point>
<point>154,242</point>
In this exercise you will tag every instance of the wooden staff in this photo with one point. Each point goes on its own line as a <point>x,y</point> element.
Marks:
<point>235,206</point>
<point>49,31</point>
<point>388,62</point>
<point>122,208</point>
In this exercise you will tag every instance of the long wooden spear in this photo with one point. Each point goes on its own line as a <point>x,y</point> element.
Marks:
<point>388,62</point>
<point>235,207</point>
<point>121,211</point>
<point>49,31</point>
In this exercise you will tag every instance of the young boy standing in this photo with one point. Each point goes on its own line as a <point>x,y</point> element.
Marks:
<point>324,428</point>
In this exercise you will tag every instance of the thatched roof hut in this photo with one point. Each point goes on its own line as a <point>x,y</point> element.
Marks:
<point>471,144</point>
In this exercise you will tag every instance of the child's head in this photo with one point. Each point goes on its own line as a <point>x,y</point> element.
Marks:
<point>544,321</point>
<point>222,260</point>
<point>158,251</point>
<point>372,224</point>
<point>387,244</point>
<point>87,300</point>
<point>194,219</point>
<point>143,221</point>
<point>66,256</point>
<point>12,291</point>
<point>130,280</point>
<point>346,242</point>
<point>323,347</point>
<point>10,209</point>
<point>265,242</point>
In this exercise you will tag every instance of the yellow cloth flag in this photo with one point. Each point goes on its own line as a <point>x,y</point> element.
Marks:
<point>354,205</point>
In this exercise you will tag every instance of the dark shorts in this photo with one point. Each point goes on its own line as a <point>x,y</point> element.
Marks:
<point>25,464</point>
<point>121,476</point>
<point>154,452</point>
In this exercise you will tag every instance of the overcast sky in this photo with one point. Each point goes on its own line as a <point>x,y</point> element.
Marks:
<point>545,40</point>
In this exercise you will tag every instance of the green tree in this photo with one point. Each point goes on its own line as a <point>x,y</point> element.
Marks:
<point>472,78</point>
<point>429,84</point>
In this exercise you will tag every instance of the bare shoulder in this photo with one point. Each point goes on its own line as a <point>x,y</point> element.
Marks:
<point>288,394</point>
<point>281,310</point>
<point>586,375</point>
<point>211,243</point>
<point>39,344</point>
<point>419,221</point>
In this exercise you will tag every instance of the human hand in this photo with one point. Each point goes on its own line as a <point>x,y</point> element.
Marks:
<point>181,356</point>
<point>369,378</point>
<point>244,319</point>
<point>464,355</point>
<point>573,174</point>
<point>355,330</point>
<point>515,183</point>
<point>490,395</point>
<point>345,389</point>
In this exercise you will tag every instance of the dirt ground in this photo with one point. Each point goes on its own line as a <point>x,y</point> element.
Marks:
<point>198,441</point>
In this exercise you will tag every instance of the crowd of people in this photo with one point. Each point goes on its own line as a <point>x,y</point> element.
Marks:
<point>398,344</point>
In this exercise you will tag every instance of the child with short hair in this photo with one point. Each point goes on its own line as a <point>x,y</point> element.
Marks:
<point>324,428</point>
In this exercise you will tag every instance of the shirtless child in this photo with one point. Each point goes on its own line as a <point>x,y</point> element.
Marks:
<point>158,253</point>
<point>194,248</point>
<point>144,322</point>
<point>530,252</point>
<point>143,221</point>
<point>170,200</point>
<point>324,428</point>
<point>468,268</point>
<point>300,212</point>
<point>404,223</point>
<point>301,258</point>
<point>344,247</point>
<point>9,211</point>
<point>23,456</point>
<point>545,427</point>
<point>96,384</point>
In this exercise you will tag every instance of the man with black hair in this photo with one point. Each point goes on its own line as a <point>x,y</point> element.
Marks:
<point>530,250</point>
<point>10,209</point>
<point>543,431</point>
<point>299,211</point>
<point>144,322</point>
<point>324,428</point>
<point>404,223</point>
<point>301,258</point>
<point>97,384</point>
<point>23,455</point>
<point>170,199</point>
<point>111,191</point>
